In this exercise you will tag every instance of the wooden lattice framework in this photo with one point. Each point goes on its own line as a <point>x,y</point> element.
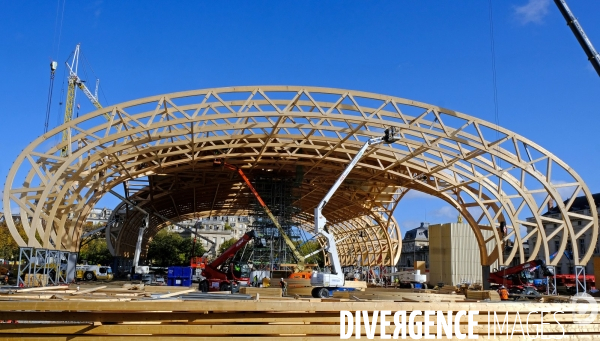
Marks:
<point>489,174</point>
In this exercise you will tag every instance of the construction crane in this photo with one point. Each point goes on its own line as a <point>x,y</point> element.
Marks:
<point>75,81</point>
<point>580,35</point>
<point>300,259</point>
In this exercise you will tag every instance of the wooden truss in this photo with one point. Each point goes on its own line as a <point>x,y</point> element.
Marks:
<point>492,176</point>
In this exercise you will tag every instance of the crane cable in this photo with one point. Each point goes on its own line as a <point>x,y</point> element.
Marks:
<point>493,52</point>
<point>53,64</point>
<point>496,111</point>
<point>50,89</point>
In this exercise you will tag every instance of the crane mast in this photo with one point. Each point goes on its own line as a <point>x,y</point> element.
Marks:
<point>75,81</point>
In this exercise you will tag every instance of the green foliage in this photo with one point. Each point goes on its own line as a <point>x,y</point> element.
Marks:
<point>199,249</point>
<point>227,227</point>
<point>8,247</point>
<point>167,249</point>
<point>309,247</point>
<point>225,245</point>
<point>96,252</point>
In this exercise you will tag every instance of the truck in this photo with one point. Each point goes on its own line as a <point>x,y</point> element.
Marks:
<point>324,283</point>
<point>93,272</point>
<point>224,274</point>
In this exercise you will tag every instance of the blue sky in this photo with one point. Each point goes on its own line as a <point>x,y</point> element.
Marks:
<point>436,52</point>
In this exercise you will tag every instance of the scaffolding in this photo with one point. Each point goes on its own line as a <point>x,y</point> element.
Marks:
<point>277,193</point>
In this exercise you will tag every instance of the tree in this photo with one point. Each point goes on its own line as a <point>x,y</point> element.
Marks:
<point>167,249</point>
<point>310,247</point>
<point>8,246</point>
<point>227,227</point>
<point>96,252</point>
<point>225,245</point>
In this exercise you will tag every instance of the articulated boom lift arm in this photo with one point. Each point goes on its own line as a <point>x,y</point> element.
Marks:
<point>299,258</point>
<point>391,135</point>
<point>211,269</point>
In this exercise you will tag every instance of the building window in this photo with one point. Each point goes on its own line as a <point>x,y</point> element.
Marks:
<point>555,225</point>
<point>579,222</point>
<point>569,246</point>
<point>556,245</point>
<point>222,240</point>
<point>596,249</point>
<point>581,245</point>
<point>559,269</point>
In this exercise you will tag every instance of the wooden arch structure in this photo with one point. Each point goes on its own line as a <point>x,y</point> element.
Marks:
<point>500,182</point>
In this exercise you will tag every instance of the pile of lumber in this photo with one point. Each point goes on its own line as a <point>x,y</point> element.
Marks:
<point>36,280</point>
<point>448,289</point>
<point>261,292</point>
<point>481,295</point>
<point>398,295</point>
<point>260,320</point>
<point>127,292</point>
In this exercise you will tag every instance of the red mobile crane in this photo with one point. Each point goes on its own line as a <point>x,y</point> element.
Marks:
<point>519,279</point>
<point>221,275</point>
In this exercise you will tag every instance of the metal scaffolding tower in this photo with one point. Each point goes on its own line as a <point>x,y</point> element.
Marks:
<point>277,193</point>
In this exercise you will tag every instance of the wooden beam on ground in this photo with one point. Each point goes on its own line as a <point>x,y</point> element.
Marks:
<point>87,291</point>
<point>61,287</point>
<point>177,293</point>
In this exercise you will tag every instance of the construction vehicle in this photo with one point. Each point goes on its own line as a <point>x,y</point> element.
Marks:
<point>300,259</point>
<point>221,275</point>
<point>93,272</point>
<point>567,284</point>
<point>410,279</point>
<point>519,279</point>
<point>325,283</point>
<point>198,263</point>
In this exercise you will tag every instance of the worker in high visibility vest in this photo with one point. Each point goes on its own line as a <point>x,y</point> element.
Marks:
<point>503,293</point>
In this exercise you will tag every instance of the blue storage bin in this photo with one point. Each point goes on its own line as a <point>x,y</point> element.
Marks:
<point>174,272</point>
<point>186,282</point>
<point>186,272</point>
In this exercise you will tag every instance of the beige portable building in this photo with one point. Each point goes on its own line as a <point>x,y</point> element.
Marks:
<point>453,255</point>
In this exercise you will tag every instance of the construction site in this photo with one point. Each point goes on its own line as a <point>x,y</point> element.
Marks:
<point>307,183</point>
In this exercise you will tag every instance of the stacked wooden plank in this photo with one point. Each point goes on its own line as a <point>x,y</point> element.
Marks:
<point>264,320</point>
<point>36,280</point>
<point>398,295</point>
<point>481,295</point>
<point>92,292</point>
<point>261,292</point>
<point>448,289</point>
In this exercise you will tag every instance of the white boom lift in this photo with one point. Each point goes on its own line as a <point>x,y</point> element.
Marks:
<point>325,283</point>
